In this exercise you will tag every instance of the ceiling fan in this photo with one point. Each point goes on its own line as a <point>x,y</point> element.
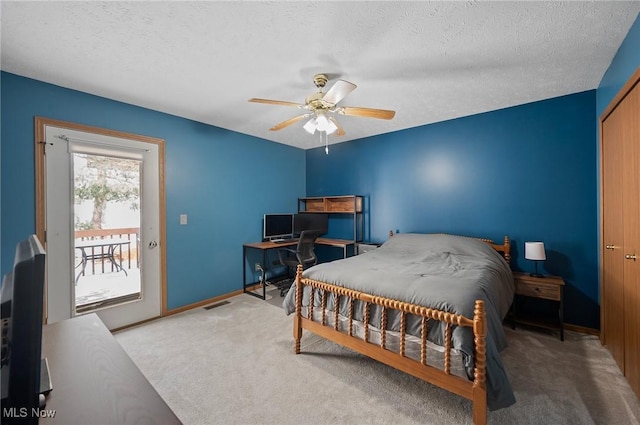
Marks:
<point>321,106</point>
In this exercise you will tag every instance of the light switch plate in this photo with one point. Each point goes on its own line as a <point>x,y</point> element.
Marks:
<point>183,219</point>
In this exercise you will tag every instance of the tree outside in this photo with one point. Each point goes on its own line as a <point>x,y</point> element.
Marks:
<point>105,184</point>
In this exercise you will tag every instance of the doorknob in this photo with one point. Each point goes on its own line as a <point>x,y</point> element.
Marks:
<point>630,257</point>
<point>153,244</point>
<point>610,247</point>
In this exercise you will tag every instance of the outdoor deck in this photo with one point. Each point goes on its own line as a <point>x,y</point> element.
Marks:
<point>102,286</point>
<point>105,251</point>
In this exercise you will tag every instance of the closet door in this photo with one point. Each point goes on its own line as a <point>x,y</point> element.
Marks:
<point>612,327</point>
<point>629,109</point>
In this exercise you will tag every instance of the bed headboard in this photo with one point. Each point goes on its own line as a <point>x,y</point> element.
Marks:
<point>504,248</point>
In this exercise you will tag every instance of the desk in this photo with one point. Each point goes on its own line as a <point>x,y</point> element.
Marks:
<point>267,245</point>
<point>94,380</point>
<point>90,245</point>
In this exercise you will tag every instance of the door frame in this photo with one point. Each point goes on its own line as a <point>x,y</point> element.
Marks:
<point>40,176</point>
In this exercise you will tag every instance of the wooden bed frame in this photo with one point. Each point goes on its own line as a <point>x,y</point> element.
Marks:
<point>473,390</point>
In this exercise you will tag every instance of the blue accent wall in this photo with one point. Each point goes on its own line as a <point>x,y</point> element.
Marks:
<point>224,181</point>
<point>528,172</point>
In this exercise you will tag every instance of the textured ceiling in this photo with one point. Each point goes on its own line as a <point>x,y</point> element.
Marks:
<point>428,61</point>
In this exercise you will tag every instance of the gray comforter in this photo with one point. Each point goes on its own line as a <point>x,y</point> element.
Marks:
<point>444,272</point>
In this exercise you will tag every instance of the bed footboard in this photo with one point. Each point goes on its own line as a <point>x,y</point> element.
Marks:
<point>473,390</point>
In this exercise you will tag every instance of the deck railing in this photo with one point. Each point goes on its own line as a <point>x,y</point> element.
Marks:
<point>126,254</point>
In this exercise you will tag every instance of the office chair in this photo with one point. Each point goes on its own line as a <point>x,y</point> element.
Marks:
<point>303,254</point>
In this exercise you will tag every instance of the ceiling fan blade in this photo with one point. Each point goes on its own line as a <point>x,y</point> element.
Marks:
<point>288,122</point>
<point>340,131</point>
<point>275,102</point>
<point>338,91</point>
<point>366,112</point>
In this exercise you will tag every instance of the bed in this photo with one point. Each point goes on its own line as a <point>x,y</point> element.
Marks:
<point>417,298</point>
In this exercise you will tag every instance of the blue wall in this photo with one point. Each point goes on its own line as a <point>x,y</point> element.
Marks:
<point>530,171</point>
<point>220,178</point>
<point>527,171</point>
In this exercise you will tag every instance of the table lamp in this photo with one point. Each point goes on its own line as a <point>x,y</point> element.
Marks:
<point>535,251</point>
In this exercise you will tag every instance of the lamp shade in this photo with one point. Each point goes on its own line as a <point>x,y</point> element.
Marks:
<point>534,251</point>
<point>310,126</point>
<point>331,127</point>
<point>320,123</point>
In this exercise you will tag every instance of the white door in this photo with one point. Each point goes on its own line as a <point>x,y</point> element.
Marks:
<point>72,262</point>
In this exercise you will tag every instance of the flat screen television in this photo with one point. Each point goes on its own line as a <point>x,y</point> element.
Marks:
<point>277,226</point>
<point>310,221</point>
<point>22,296</point>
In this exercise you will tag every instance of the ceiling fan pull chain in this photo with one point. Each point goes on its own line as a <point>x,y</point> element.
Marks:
<point>326,142</point>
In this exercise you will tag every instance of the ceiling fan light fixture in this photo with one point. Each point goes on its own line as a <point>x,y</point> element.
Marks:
<point>322,123</point>
<point>331,127</point>
<point>310,126</point>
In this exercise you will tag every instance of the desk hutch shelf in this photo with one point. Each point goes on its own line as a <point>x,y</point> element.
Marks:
<point>345,204</point>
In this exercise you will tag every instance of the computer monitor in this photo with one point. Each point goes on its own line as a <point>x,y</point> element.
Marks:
<point>22,297</point>
<point>310,221</point>
<point>277,226</point>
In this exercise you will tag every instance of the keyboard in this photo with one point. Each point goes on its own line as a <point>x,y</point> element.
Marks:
<point>284,240</point>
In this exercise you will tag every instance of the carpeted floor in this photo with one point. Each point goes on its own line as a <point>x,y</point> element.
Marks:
<point>234,364</point>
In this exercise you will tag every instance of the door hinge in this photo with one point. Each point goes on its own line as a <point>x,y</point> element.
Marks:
<point>44,146</point>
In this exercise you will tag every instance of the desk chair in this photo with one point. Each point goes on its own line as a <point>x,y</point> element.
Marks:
<point>304,254</point>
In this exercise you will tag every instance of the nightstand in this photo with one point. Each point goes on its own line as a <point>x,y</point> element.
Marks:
<point>548,288</point>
